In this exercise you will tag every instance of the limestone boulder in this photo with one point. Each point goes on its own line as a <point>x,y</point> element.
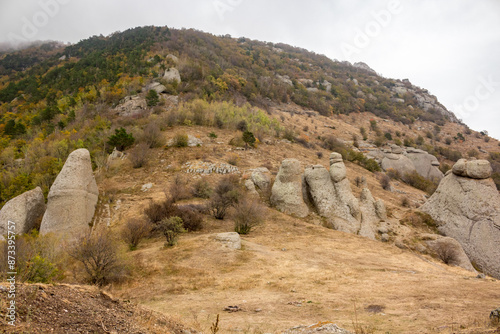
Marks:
<point>171,75</point>
<point>72,198</point>
<point>450,250</point>
<point>286,193</point>
<point>369,215</point>
<point>474,169</point>
<point>426,164</point>
<point>230,240</point>
<point>398,162</point>
<point>468,210</point>
<point>131,106</point>
<point>321,190</point>
<point>261,177</point>
<point>157,87</point>
<point>250,186</point>
<point>25,210</point>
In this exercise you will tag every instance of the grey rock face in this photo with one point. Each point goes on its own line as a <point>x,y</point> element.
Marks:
<point>251,188</point>
<point>426,164</point>
<point>287,189</point>
<point>398,162</point>
<point>157,87</point>
<point>372,212</point>
<point>261,177</point>
<point>73,196</point>
<point>131,106</point>
<point>468,210</point>
<point>25,210</point>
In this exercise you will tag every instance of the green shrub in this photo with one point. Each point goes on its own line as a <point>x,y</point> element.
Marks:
<point>152,98</point>
<point>181,140</point>
<point>388,136</point>
<point>202,188</point>
<point>121,139</point>
<point>226,195</point>
<point>171,228</point>
<point>248,138</point>
<point>417,181</point>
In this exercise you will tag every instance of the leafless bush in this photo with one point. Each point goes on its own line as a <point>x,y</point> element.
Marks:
<point>152,135</point>
<point>190,214</point>
<point>139,155</point>
<point>98,253</point>
<point>248,213</point>
<point>446,252</point>
<point>385,182</point>
<point>405,202</point>
<point>226,195</point>
<point>359,181</point>
<point>134,231</point>
<point>178,190</point>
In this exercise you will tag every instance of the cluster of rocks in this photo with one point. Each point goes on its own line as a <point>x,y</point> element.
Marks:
<point>406,160</point>
<point>199,167</point>
<point>70,206</point>
<point>466,207</point>
<point>258,179</point>
<point>329,193</point>
<point>424,100</point>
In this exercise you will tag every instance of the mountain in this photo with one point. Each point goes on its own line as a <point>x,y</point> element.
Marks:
<point>188,134</point>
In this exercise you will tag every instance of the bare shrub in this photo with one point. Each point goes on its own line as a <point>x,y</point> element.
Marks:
<point>385,182</point>
<point>190,214</point>
<point>202,188</point>
<point>446,253</point>
<point>248,213</point>
<point>139,155</point>
<point>98,253</point>
<point>226,195</point>
<point>319,154</point>
<point>134,231</point>
<point>359,181</point>
<point>405,202</point>
<point>152,135</point>
<point>178,189</point>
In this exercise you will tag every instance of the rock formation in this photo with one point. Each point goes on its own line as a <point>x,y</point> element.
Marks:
<point>171,75</point>
<point>261,177</point>
<point>73,196</point>
<point>230,240</point>
<point>466,206</point>
<point>25,210</point>
<point>372,213</point>
<point>425,164</point>
<point>131,106</point>
<point>287,189</point>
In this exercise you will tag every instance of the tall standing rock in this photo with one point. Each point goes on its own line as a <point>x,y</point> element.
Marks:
<point>73,196</point>
<point>287,189</point>
<point>370,214</point>
<point>466,206</point>
<point>25,211</point>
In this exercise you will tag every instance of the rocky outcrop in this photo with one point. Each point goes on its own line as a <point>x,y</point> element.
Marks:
<point>172,75</point>
<point>25,211</point>
<point>131,106</point>
<point>468,210</point>
<point>200,167</point>
<point>73,196</point>
<point>287,189</point>
<point>425,164</point>
<point>156,86</point>
<point>406,160</point>
<point>321,327</point>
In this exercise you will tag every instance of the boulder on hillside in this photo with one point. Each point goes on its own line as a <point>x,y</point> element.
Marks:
<point>171,75</point>
<point>398,162</point>
<point>73,196</point>
<point>468,210</point>
<point>25,210</point>
<point>425,164</point>
<point>156,86</point>
<point>287,189</point>
<point>230,240</point>
<point>131,106</point>
<point>261,177</point>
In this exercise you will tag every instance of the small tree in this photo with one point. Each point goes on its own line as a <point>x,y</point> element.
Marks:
<point>152,98</point>
<point>248,138</point>
<point>121,139</point>
<point>171,228</point>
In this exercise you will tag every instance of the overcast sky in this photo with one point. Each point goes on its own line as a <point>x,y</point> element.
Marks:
<point>451,47</point>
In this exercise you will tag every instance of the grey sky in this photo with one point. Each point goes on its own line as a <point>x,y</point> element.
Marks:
<point>451,47</point>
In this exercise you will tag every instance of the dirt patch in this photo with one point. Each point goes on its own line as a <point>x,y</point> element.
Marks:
<point>80,309</point>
